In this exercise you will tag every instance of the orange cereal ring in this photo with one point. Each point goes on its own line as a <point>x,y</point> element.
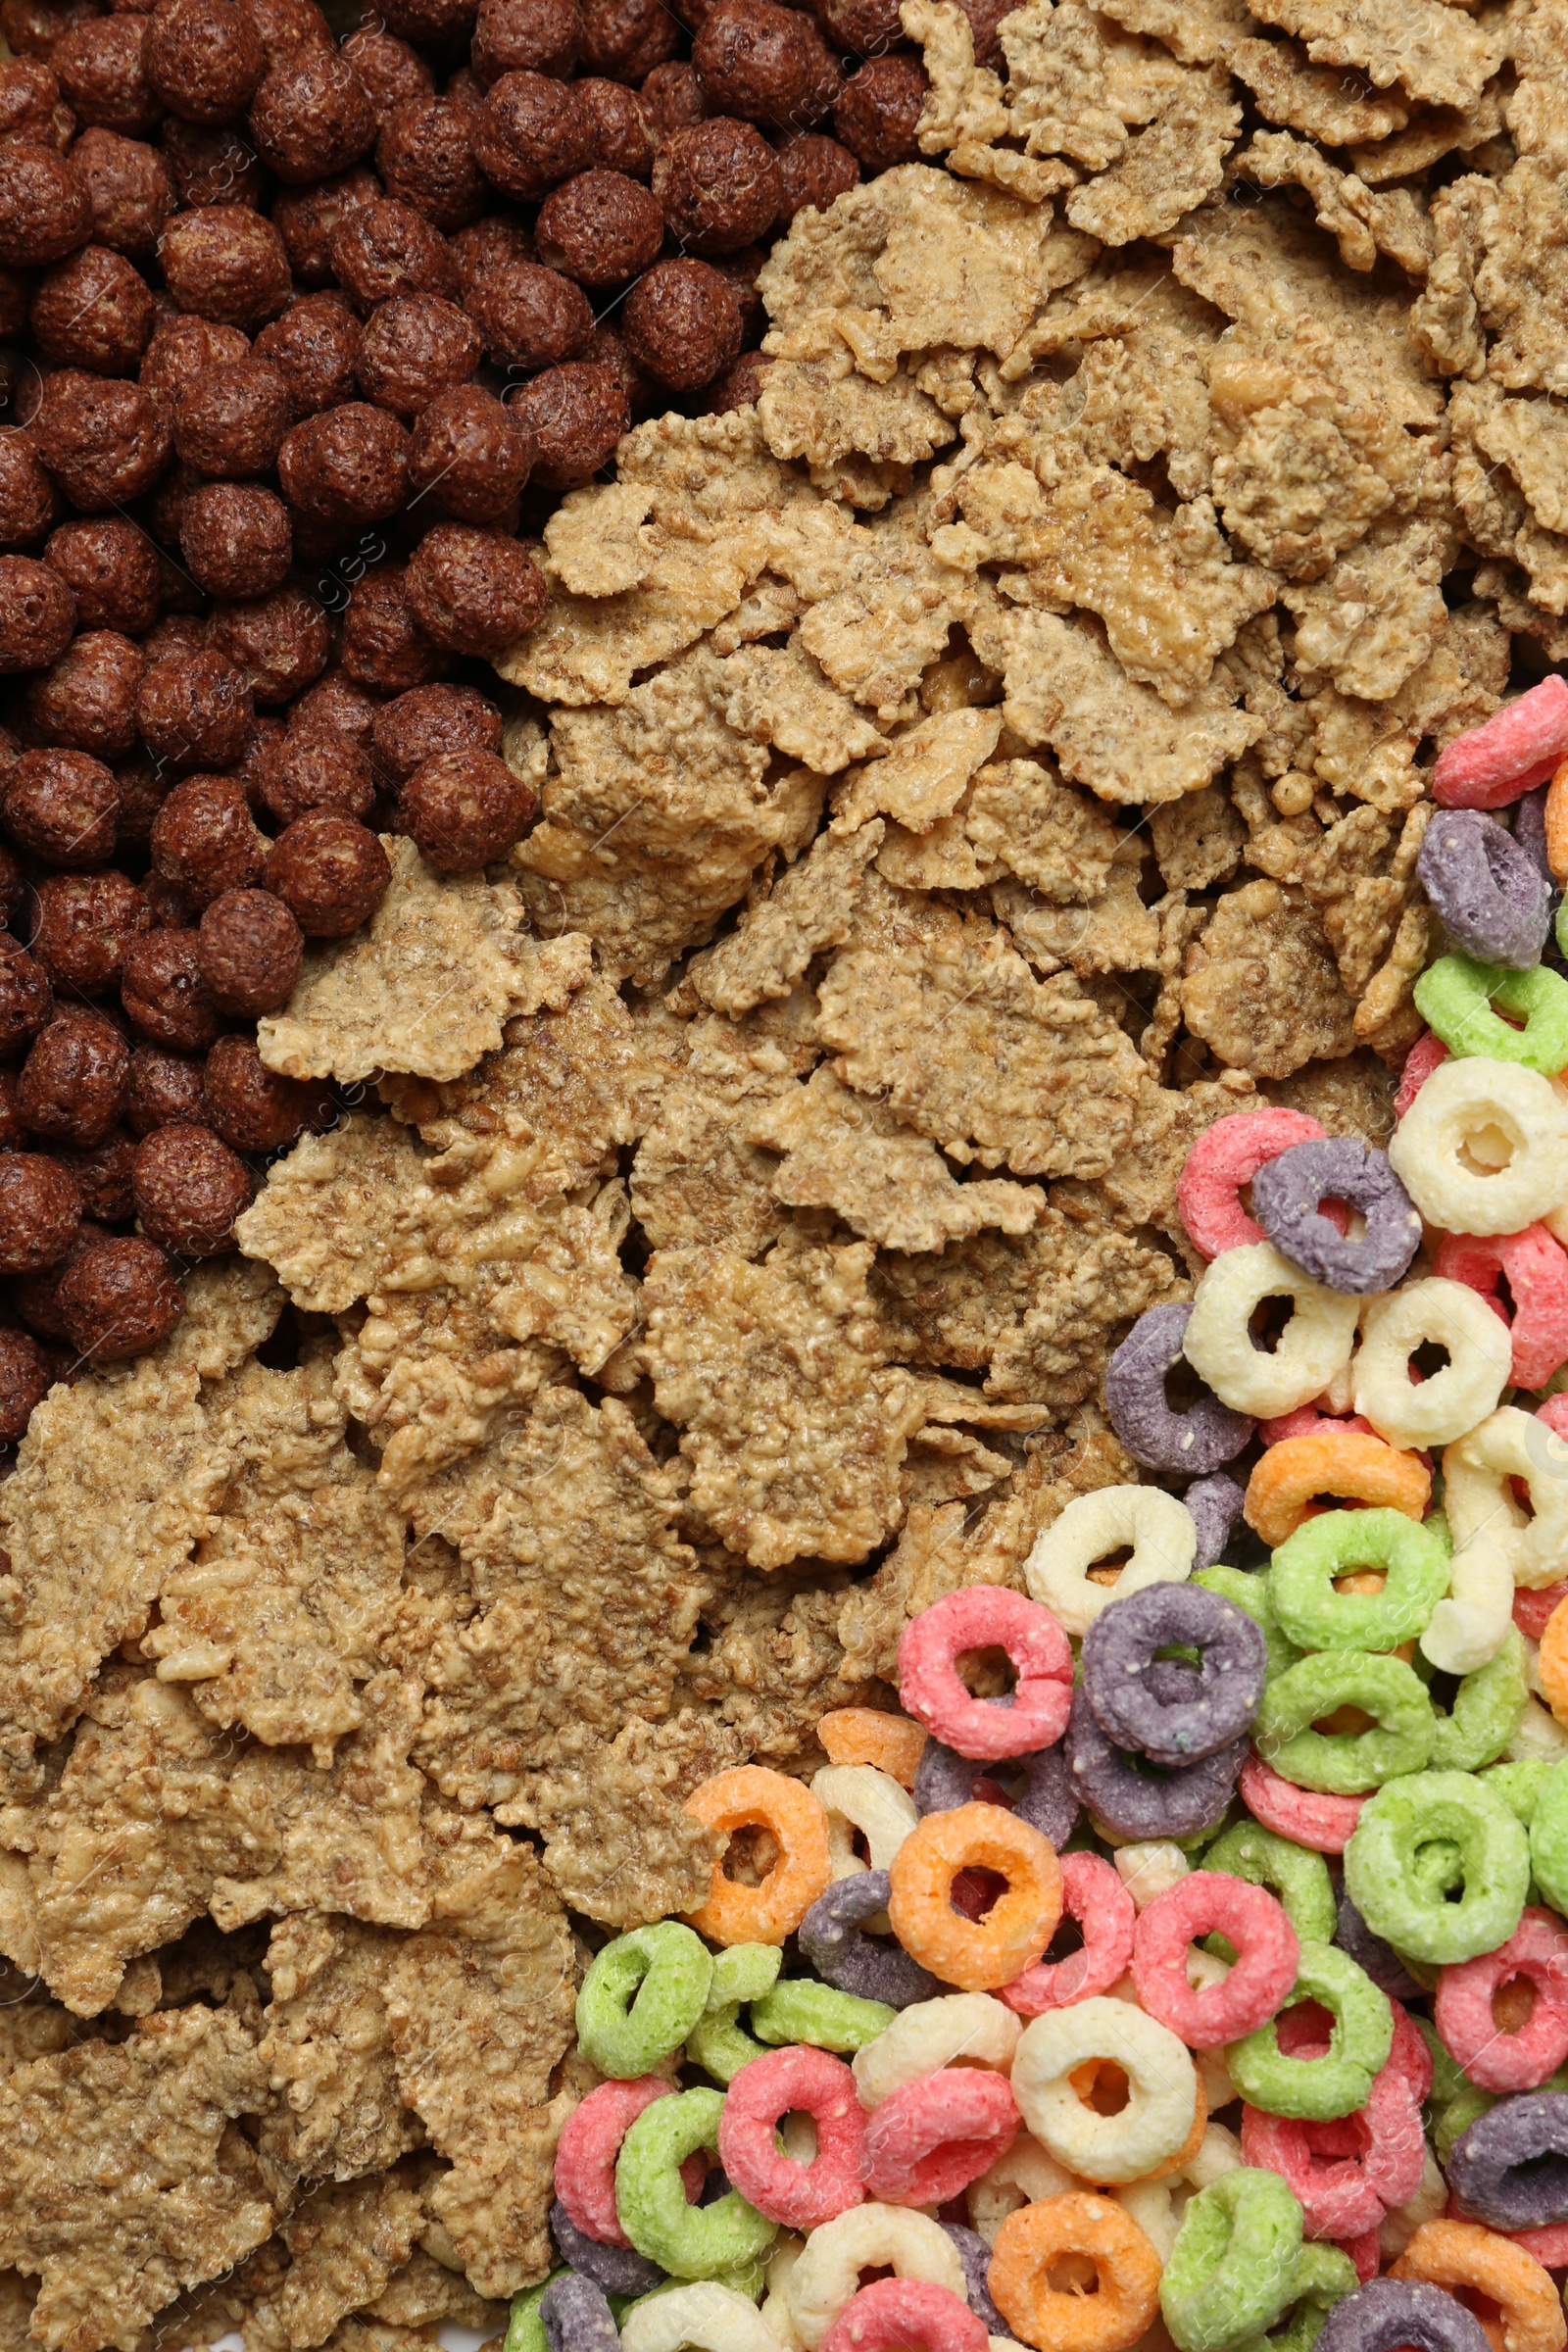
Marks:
<point>753,1797</point>
<point>1032,2241</point>
<point>1359,1468</point>
<point>1083,2080</point>
<point>976,1955</point>
<point>1557,824</point>
<point>1551,1665</point>
<point>1459,2255</point>
<point>865,1735</point>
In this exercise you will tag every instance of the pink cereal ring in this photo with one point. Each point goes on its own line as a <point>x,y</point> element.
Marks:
<point>1517,748</point>
<point>1226,1156</point>
<point>1095,1896</point>
<point>985,1617</point>
<point>787,2082</point>
<point>1419,1064</point>
<point>1533,1611</point>
<point>905,2314</point>
<point>1306,1815</point>
<point>1535,1268</point>
<point>1461,2011</point>
<point>1307,1422</point>
<point>1211,1902</point>
<point>930,2138</point>
<point>1409,2053</point>
<point>586,2151</point>
<point>1348,2173</point>
<point>1366,2252</point>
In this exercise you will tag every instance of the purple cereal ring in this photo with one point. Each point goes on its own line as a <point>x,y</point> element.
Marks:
<point>1215,1504</point>
<point>1288,1195</point>
<point>831,1939</point>
<point>1141,1413</point>
<point>1390,2311</point>
<point>577,2317</point>
<point>1493,898</point>
<point>975,2256</point>
<point>1510,2168</point>
<point>1132,1803</point>
<point>618,2270</point>
<point>1530,832</point>
<point>1174,1718</point>
<point>1372,1956</point>
<point>1047,1801</point>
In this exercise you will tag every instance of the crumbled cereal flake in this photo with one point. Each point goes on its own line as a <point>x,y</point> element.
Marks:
<point>619,1846</point>
<point>923,775</point>
<point>345,2240</point>
<point>1318,101</point>
<point>328,2051</point>
<point>1430,50</point>
<point>1261,986</point>
<point>1023,820</point>
<point>1163,171</point>
<point>822,408</point>
<point>807,908</point>
<point>779,695</point>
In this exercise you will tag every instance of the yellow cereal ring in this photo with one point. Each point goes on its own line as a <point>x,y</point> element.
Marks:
<point>753,1797</point>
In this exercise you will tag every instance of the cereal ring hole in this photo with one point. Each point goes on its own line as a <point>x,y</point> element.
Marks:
<point>975,1892</point>
<point>1102,2085</point>
<point>1107,1571</point>
<point>986,1672</point>
<point>1512,2004</point>
<point>1269,1321</point>
<point>752,1855</point>
<point>1486,1150</point>
<point>1074,2274</point>
<point>1429,1358</point>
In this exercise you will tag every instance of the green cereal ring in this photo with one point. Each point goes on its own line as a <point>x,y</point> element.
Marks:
<point>1344,1763</point>
<point>1316,2090</point>
<point>1253,1593</point>
<point>690,2241</point>
<point>1519,1784</point>
<point>719,2046</point>
<point>525,2330</point>
<point>1486,1710</point>
<point>1323,2277</point>
<point>1381,1860</point>
<point>1548,1835</point>
<point>1232,2270</point>
<point>802,2010</point>
<point>741,1972</point>
<point>1414,1561</point>
<point>1456,999</point>
<point>641,1997</point>
<point>1297,1875</point>
<point>1457,2117</point>
<point>1448,2075</point>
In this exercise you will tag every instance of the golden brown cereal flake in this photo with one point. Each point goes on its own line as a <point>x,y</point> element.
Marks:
<point>1023,820</point>
<point>1430,50</point>
<point>328,2051</point>
<point>345,2241</point>
<point>1362,222</point>
<point>822,408</point>
<point>619,1846</point>
<point>1372,621</point>
<point>1198,840</point>
<point>775,1661</point>
<point>923,775</point>
<point>1334,108</point>
<point>1119,933</point>
<point>31,2026</point>
<point>1058,96</point>
<point>696,1179</point>
<point>1199,32</point>
<point>1261,986</point>
<point>426,1375</point>
<point>1166,169</point>
<point>424,2294</point>
<point>807,908</point>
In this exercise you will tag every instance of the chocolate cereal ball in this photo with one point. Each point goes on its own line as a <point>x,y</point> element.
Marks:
<point>278,643</point>
<point>864,27</point>
<point>464,808</point>
<point>93,311</point>
<point>575,416</point>
<point>235,538</point>
<point>470,454</point>
<point>27,1000</point>
<point>347,466</point>
<point>248,1107</point>
<point>478,249</point>
<point>62,806</point>
<point>131,191</point>
<point>315,770</point>
<point>120,1300</point>
<point>204,841</point>
<point>87,700</point>
<point>102,70</point>
<point>330,874</point>
<point>28,500</point>
<point>442,23</point>
<point>764,64</point>
<point>718,184</point>
<point>163,995</point>
<point>189,1189</point>
<point>74,1082</point>
<point>311,117</point>
<point>184,348</point>
<point>473,591</point>
<point>111,571</point>
<point>525,36</point>
<point>224,262</point>
<point>425,158</point>
<point>40,1209</point>
<point>36,1296</point>
<point>530,133</point>
<point>30,105</point>
<point>393,74</point>
<point>386,248</point>
<point>383,646</point>
<point>44,212</point>
<point>38,613</point>
<point>626,39</point>
<point>101,1174</point>
<point>204,58</point>
<point>414,348</point>
<point>313,347</point>
<point>600,229</point>
<point>82,926</point>
<point>682,324</point>
<point>249,948</point>
<point>879,110</point>
<point>672,99</point>
<point>195,709</point>
<point>530,316</point>
<point>214,163</point>
<point>430,720</point>
<point>229,424</point>
<point>289,24</point>
<point>104,442</point>
<point>622,136</point>
<point>24,1382</point>
<point>813,170</point>
<point>308,218</point>
<point>165,1087</point>
<point>336,702</point>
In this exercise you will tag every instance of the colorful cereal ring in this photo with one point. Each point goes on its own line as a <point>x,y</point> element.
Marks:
<point>1359,1469</point>
<point>751,1796</point>
<point>1317,2087</point>
<point>870,2236</point>
<point>1268,1950</point>
<point>1348,2173</point>
<point>689,2241</point>
<point>1347,1763</point>
<point>1494,2058</point>
<point>1462,2258</point>
<point>929,2139</point>
<point>1093,1894</point>
<point>1536,1270</point>
<point>872,1967</point>
<point>1031,2243</point>
<point>967,2026</point>
<point>641,1997</point>
<point>1482,1148</point>
<point>905,2314</point>
<point>784,2082</point>
<point>984,1617</point>
<point>799,2009</point>
<point>703,2315</point>
<point>864,1736</point>
<point>1312,1349</point>
<point>1232,2270</point>
<point>1491,1854</point>
<point>1391,2312</point>
<point>1419,1064</point>
<point>1226,1157</point>
<point>1518,748</point>
<point>975,1955</point>
<point>1310,1561</point>
<point>1162,2091</point>
<point>587,2150</point>
<point>1308,1817</point>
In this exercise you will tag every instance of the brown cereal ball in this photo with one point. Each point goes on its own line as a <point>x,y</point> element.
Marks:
<point>313,769</point>
<point>30,106</point>
<point>469,454</point>
<point>478,249</point>
<point>392,73</point>
<point>608,349</point>
<point>473,591</point>
<point>13,889</point>
<point>437,24</point>
<point>278,643</point>
<point>27,1000</point>
<point>195,709</point>
<point>718,184</point>
<point>163,995</point>
<point>235,539</point>
<point>102,70</point>
<point>120,1300</point>
<point>346,465</point>
<point>289,24</point>
<point>189,1189</point>
<point>532,133</point>
<point>87,700</point>
<point>311,117</point>
<point>28,500</point>
<point>330,874</point>
<point>165,1087</point>
<point>105,441</point>
<point>525,36</point>
<point>864,27</point>
<point>764,64</point>
<point>879,111</point>
<point>414,348</point>
<point>38,613</point>
<point>622,140</point>
<point>94,311</point>
<point>44,211</point>
<point>383,646</point>
<point>62,806</point>
<point>111,571</point>
<point>425,157</point>
<point>24,1382</point>
<point>204,58</point>
<point>13,1127</point>
<point>74,1080</point>
<point>335,700</point>
<point>387,248</point>
<point>250,1107</point>
<point>226,263</point>
<point>682,324</point>
<point>672,99</point>
<point>313,347</point>
<point>813,170</point>
<point>429,721</point>
<point>600,229</point>
<point>175,635</point>
<point>575,415</point>
<point>143,790</point>
<point>739,271</point>
<point>40,1209</point>
<point>131,191</point>
<point>626,39</point>
<point>231,422</point>
<point>204,841</point>
<point>464,808</point>
<point>101,1174</point>
<point>530,317</point>
<point>183,349</point>
<point>308,219</point>
<point>214,163</point>
<point>36,1295</point>
<point>249,950</point>
<point>83,924</point>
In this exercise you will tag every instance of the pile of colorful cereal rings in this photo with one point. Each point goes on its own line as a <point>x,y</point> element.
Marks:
<point>1209,1987</point>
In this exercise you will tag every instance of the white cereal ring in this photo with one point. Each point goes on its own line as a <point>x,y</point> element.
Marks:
<point>1401,2221</point>
<point>1022,2176</point>
<point>1313,1347</point>
<point>1484,1147</point>
<point>1537,1737</point>
<point>857,1796</point>
<point>1496,1545</point>
<point>1151,1869</point>
<point>1439,1408</point>
<point>1159,1528</point>
<point>1161,2088</point>
<point>962,2028</point>
<point>704,2315</point>
<point>867,2237</point>
<point>1157,2205</point>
